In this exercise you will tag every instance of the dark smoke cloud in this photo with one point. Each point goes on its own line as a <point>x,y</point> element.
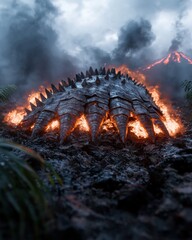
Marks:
<point>133,39</point>
<point>175,44</point>
<point>132,47</point>
<point>30,53</point>
<point>181,33</point>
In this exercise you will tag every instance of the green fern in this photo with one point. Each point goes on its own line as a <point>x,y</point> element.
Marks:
<point>6,92</point>
<point>22,194</point>
<point>187,85</point>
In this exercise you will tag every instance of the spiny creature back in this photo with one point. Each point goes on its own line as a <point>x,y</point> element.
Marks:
<point>96,95</point>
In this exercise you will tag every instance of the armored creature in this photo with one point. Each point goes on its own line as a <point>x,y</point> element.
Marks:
<point>97,94</point>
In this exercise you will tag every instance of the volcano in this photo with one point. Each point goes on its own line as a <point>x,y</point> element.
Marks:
<point>172,58</point>
<point>169,73</point>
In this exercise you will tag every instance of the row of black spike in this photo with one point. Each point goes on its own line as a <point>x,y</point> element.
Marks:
<point>63,84</point>
<point>72,83</point>
<point>38,102</point>
<point>101,71</point>
<point>79,78</point>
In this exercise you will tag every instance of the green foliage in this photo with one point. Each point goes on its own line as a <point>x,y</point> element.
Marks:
<point>22,196</point>
<point>187,85</point>
<point>6,92</point>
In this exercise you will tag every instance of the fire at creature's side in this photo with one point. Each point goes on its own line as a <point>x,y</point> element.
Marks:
<point>170,119</point>
<point>15,116</point>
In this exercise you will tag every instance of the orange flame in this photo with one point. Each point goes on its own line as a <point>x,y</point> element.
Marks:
<point>171,119</point>
<point>108,124</point>
<point>172,122</point>
<point>15,116</point>
<point>54,125</point>
<point>81,124</point>
<point>137,128</point>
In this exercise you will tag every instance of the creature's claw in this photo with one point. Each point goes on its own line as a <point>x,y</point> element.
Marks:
<point>67,124</point>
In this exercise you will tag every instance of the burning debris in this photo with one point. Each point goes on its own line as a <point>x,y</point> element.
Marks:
<point>97,101</point>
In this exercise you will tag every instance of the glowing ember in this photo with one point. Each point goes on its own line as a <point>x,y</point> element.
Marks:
<point>32,127</point>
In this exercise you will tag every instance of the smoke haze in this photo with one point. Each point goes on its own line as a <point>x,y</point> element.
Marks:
<point>133,39</point>
<point>44,40</point>
<point>30,53</point>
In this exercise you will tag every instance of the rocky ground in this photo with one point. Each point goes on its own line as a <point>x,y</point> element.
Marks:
<point>114,191</point>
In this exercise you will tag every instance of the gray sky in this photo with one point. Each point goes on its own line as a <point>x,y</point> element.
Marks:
<point>47,34</point>
<point>99,22</point>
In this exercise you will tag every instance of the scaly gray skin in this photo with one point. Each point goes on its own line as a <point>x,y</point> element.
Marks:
<point>95,95</point>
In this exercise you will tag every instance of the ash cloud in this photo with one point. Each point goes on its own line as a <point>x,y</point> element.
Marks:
<point>175,44</point>
<point>133,39</point>
<point>181,33</point>
<point>133,44</point>
<point>29,52</point>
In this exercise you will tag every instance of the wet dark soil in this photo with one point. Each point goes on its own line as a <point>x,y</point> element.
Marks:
<point>115,191</point>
